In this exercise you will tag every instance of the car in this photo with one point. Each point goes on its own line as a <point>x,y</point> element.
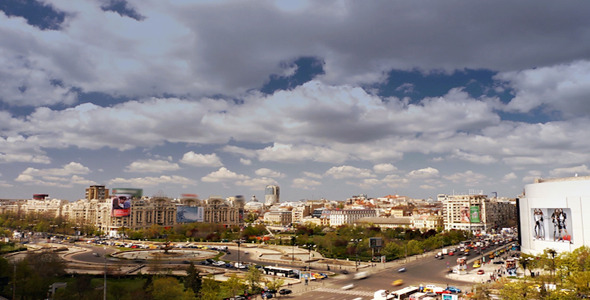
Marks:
<point>285,291</point>
<point>480,272</point>
<point>397,282</point>
<point>344,271</point>
<point>361,275</point>
<point>348,287</point>
<point>266,295</point>
<point>453,289</point>
<point>401,270</point>
<point>498,262</point>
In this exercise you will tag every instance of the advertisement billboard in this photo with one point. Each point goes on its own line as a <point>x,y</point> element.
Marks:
<point>551,224</point>
<point>134,193</point>
<point>121,205</point>
<point>474,215</point>
<point>189,214</point>
<point>465,214</point>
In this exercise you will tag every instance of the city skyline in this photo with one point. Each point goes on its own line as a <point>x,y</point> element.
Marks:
<point>326,99</point>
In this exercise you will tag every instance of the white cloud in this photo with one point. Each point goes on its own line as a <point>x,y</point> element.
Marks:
<point>201,160</point>
<point>474,158</point>
<point>563,88</point>
<point>509,177</point>
<point>468,178</point>
<point>305,183</point>
<point>245,162</point>
<point>265,172</point>
<point>223,175</point>
<point>313,175</point>
<point>151,166</point>
<point>384,168</point>
<point>153,181</point>
<point>581,170</point>
<point>425,173</point>
<point>295,153</point>
<point>341,172</point>
<point>257,184</point>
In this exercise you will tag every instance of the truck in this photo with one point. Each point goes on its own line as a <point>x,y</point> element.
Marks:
<point>445,251</point>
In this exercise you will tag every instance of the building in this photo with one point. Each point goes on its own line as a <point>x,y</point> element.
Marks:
<point>97,192</point>
<point>349,216</point>
<point>271,195</point>
<point>465,212</point>
<point>552,215</point>
<point>278,217</point>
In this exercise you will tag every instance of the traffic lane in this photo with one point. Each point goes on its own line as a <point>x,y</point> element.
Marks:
<point>88,256</point>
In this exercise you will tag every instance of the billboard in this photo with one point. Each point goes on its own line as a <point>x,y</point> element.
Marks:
<point>134,193</point>
<point>121,205</point>
<point>188,214</point>
<point>465,214</point>
<point>474,215</point>
<point>551,224</point>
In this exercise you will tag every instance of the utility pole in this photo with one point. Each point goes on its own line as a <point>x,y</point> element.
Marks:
<point>105,274</point>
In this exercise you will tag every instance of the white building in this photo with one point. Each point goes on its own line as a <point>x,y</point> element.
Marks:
<point>552,213</point>
<point>349,216</point>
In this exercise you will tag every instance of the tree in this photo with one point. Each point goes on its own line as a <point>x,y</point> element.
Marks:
<point>193,279</point>
<point>253,279</point>
<point>233,285</point>
<point>168,288</point>
<point>275,284</point>
<point>209,289</point>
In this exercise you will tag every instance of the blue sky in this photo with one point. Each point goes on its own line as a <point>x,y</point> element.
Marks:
<point>324,98</point>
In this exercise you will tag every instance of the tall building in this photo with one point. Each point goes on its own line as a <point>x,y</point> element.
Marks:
<point>99,192</point>
<point>271,195</point>
<point>465,212</point>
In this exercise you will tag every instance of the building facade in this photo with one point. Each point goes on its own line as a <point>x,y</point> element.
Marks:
<point>552,215</point>
<point>349,216</point>
<point>271,195</point>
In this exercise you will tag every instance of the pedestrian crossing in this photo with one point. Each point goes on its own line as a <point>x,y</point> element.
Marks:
<point>345,292</point>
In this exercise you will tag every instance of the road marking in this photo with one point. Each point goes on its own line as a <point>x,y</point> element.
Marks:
<point>349,292</point>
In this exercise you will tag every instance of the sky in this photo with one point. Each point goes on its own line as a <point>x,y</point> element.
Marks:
<point>327,99</point>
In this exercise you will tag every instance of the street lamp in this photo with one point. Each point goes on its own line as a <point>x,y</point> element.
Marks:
<point>239,242</point>
<point>356,243</point>
<point>309,247</point>
<point>293,240</point>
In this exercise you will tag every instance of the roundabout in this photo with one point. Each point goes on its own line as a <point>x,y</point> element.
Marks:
<point>161,255</point>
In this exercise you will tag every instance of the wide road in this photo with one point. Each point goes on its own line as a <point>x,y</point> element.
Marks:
<point>419,270</point>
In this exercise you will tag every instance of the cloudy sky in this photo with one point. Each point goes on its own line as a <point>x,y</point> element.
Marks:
<point>324,98</point>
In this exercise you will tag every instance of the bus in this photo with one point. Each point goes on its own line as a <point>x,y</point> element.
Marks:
<point>278,271</point>
<point>404,293</point>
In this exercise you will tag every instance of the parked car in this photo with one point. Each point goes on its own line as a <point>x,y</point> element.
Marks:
<point>480,272</point>
<point>453,289</point>
<point>285,291</point>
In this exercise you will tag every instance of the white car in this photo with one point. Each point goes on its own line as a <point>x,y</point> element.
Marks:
<point>361,275</point>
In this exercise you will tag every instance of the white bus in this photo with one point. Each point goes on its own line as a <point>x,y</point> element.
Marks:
<point>403,293</point>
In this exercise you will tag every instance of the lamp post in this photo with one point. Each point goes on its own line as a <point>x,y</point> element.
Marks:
<point>239,242</point>
<point>293,240</point>
<point>309,247</point>
<point>356,243</point>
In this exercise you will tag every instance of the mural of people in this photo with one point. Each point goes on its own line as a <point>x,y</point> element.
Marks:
<point>465,215</point>
<point>559,225</point>
<point>539,226</point>
<point>116,203</point>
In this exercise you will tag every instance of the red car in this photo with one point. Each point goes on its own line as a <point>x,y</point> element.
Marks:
<point>480,272</point>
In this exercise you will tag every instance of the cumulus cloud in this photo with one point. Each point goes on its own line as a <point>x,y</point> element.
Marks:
<point>468,178</point>
<point>295,153</point>
<point>384,168</point>
<point>265,172</point>
<point>223,175</point>
<point>201,160</point>
<point>153,181</point>
<point>151,166</point>
<point>305,183</point>
<point>581,170</point>
<point>341,172</point>
<point>562,88</point>
<point>425,173</point>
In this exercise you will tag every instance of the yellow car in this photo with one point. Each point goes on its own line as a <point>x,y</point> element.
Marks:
<point>397,282</point>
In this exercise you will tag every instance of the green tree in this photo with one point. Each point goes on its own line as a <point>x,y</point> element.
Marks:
<point>168,288</point>
<point>253,279</point>
<point>193,279</point>
<point>275,284</point>
<point>233,285</point>
<point>209,289</point>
